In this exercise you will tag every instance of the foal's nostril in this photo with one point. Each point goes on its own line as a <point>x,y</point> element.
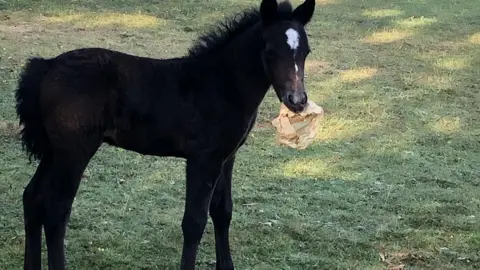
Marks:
<point>291,100</point>
<point>304,99</point>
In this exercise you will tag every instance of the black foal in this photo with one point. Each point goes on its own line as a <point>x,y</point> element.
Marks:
<point>200,107</point>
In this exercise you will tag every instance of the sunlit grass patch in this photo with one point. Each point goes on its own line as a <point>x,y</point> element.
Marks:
<point>435,81</point>
<point>93,20</point>
<point>333,128</point>
<point>382,13</point>
<point>447,124</point>
<point>318,2</point>
<point>415,22</point>
<point>319,168</point>
<point>475,38</point>
<point>358,74</point>
<point>389,36</point>
<point>307,167</point>
<point>454,62</point>
<point>327,2</point>
<point>330,85</point>
<point>312,66</point>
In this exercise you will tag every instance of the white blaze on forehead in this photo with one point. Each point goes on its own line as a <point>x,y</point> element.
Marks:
<point>292,38</point>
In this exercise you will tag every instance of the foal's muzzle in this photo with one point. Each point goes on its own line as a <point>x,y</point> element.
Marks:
<point>295,101</point>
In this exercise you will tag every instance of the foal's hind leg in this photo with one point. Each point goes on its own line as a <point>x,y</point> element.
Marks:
<point>33,214</point>
<point>221,213</point>
<point>64,179</point>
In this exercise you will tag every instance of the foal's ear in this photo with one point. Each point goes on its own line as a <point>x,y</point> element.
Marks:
<point>304,12</point>
<point>268,11</point>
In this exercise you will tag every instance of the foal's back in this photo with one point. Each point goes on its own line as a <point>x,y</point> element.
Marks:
<point>167,107</point>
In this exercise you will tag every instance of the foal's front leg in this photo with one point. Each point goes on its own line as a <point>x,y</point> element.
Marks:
<point>202,176</point>
<point>221,213</point>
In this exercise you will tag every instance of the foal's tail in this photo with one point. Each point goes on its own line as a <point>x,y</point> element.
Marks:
<point>33,135</point>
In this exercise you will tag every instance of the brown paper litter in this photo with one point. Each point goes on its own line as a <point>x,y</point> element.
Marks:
<point>297,130</point>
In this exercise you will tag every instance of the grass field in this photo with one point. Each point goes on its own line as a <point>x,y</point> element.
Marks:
<point>392,179</point>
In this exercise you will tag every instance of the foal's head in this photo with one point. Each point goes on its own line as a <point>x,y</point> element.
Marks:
<point>286,48</point>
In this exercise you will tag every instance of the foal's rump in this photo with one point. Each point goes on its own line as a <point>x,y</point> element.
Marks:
<point>96,94</point>
<point>63,96</point>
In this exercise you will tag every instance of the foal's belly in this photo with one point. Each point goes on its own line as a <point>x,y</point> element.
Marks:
<point>146,142</point>
<point>150,140</point>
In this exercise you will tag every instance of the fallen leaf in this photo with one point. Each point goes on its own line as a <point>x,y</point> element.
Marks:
<point>382,257</point>
<point>401,255</point>
<point>273,221</point>
<point>397,267</point>
<point>249,204</point>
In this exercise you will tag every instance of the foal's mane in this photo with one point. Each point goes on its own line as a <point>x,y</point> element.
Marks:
<point>228,29</point>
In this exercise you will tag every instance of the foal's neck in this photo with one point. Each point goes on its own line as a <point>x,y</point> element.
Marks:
<point>242,59</point>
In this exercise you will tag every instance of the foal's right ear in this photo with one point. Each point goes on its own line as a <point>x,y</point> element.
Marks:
<point>304,12</point>
<point>268,11</point>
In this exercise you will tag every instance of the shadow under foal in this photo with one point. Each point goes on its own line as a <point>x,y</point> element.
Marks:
<point>200,107</point>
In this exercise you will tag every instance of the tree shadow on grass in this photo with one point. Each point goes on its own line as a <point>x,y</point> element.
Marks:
<point>407,199</point>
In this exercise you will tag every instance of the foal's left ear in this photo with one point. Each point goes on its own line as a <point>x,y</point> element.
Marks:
<point>268,11</point>
<point>304,12</point>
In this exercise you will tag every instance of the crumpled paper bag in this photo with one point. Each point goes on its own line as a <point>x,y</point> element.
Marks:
<point>297,130</point>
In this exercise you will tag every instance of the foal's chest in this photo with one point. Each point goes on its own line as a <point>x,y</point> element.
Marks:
<point>248,128</point>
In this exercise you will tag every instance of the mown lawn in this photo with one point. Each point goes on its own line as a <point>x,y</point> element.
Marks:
<point>393,173</point>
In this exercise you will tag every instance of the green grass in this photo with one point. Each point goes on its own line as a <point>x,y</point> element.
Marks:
<point>393,171</point>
